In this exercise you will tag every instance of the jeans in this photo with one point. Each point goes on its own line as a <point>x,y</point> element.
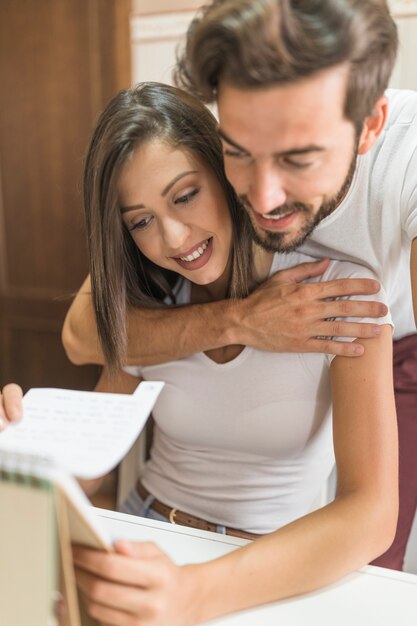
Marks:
<point>135,505</point>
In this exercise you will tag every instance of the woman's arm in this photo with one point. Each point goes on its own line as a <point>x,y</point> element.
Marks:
<point>282,315</point>
<point>305,555</point>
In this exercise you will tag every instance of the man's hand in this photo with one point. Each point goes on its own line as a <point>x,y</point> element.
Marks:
<point>287,315</point>
<point>11,408</point>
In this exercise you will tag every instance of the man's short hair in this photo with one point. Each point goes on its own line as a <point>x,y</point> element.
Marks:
<point>261,43</point>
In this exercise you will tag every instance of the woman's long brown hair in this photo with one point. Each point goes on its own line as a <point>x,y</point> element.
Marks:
<point>121,276</point>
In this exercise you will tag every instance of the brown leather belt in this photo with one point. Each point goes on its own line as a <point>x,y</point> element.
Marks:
<point>185,519</point>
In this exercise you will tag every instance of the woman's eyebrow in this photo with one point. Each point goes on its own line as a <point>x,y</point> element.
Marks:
<point>174,180</point>
<point>135,207</point>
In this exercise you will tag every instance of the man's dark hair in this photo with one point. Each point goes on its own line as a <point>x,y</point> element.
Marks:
<point>261,43</point>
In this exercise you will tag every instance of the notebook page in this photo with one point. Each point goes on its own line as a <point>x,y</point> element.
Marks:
<point>87,433</point>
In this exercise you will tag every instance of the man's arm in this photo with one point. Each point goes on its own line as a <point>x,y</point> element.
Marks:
<point>282,315</point>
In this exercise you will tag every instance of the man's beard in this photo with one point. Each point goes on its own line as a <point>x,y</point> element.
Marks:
<point>274,241</point>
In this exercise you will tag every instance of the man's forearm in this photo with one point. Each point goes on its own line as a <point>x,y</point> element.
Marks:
<point>153,335</point>
<point>166,334</point>
<point>283,315</point>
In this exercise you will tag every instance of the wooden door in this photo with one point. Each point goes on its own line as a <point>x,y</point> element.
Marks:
<point>60,62</point>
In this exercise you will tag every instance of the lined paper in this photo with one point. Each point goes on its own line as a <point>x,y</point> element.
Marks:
<point>87,433</point>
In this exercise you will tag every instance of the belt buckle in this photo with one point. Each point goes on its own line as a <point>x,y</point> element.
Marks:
<point>172,515</point>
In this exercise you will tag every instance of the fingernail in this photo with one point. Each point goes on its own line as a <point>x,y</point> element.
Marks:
<point>3,423</point>
<point>376,330</point>
<point>359,349</point>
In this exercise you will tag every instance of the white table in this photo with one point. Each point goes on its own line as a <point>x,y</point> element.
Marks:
<point>372,596</point>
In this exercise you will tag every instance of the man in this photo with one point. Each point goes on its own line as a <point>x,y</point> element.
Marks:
<point>321,158</point>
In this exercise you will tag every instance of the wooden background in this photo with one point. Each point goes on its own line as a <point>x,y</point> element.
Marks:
<point>60,62</point>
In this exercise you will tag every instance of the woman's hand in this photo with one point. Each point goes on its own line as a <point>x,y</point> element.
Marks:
<point>138,584</point>
<point>11,408</point>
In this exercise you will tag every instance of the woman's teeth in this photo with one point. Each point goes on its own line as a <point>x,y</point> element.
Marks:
<point>197,253</point>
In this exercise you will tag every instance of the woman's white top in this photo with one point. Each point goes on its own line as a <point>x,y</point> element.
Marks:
<point>247,443</point>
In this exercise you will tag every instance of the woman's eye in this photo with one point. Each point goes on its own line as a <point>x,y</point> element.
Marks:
<point>186,197</point>
<point>141,224</point>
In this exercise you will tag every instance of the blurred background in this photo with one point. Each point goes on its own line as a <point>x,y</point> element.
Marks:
<point>60,62</point>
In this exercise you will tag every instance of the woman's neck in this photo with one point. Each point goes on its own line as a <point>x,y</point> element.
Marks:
<point>212,292</point>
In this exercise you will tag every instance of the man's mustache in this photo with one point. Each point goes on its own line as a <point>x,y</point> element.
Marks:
<point>284,209</point>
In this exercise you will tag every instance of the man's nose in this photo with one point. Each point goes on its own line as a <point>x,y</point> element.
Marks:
<point>266,190</point>
<point>174,234</point>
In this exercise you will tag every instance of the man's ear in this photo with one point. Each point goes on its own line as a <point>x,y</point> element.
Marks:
<point>373,125</point>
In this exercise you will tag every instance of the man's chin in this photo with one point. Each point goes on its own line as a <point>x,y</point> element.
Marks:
<point>279,242</point>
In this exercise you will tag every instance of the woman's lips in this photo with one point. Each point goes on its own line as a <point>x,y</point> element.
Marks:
<point>203,249</point>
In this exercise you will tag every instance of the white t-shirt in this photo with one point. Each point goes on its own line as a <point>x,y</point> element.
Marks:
<point>377,221</point>
<point>248,443</point>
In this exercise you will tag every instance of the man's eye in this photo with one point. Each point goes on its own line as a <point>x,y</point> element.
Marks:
<point>235,154</point>
<point>186,197</point>
<point>300,165</point>
<point>141,224</point>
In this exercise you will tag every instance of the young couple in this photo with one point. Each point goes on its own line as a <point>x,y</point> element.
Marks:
<point>244,437</point>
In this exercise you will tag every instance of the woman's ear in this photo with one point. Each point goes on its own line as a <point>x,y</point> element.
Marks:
<point>373,125</point>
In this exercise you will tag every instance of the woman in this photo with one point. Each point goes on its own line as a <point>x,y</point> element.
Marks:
<point>243,439</point>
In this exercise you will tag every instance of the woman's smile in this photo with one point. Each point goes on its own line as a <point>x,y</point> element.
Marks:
<point>197,256</point>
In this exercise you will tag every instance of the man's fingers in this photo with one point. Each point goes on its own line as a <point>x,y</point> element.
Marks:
<point>326,289</point>
<point>352,308</point>
<point>301,272</point>
<point>359,330</point>
<point>338,348</point>
<point>346,287</point>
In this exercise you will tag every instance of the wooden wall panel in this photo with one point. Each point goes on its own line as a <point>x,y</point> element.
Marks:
<point>144,7</point>
<point>60,62</point>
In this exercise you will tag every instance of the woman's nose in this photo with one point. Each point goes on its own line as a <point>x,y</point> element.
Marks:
<point>175,234</point>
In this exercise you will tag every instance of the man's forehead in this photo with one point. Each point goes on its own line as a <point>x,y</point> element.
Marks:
<point>285,117</point>
<point>325,83</point>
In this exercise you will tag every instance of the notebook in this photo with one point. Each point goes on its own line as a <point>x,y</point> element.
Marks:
<point>43,510</point>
